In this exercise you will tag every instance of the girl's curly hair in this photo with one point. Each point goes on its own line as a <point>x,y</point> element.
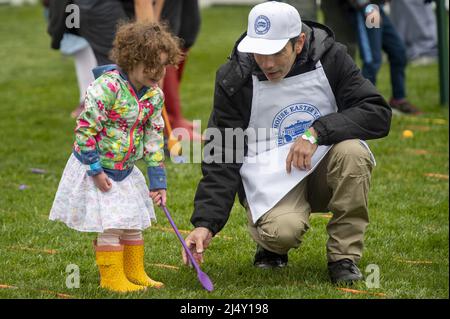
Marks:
<point>143,42</point>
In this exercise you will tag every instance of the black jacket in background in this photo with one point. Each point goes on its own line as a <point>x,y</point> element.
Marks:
<point>362,114</point>
<point>356,3</point>
<point>57,21</point>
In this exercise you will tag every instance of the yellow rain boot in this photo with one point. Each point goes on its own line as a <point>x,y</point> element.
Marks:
<point>110,264</point>
<point>133,257</point>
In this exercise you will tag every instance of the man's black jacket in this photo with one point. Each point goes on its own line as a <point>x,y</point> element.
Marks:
<point>362,114</point>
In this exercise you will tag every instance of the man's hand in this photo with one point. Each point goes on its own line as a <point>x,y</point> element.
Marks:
<point>158,196</point>
<point>301,153</point>
<point>102,182</point>
<point>197,241</point>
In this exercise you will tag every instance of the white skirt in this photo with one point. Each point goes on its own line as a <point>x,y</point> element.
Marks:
<point>82,206</point>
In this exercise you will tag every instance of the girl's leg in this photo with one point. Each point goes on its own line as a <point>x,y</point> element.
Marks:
<point>131,235</point>
<point>133,255</point>
<point>111,237</point>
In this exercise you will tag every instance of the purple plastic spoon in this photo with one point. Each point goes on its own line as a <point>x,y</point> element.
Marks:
<point>202,277</point>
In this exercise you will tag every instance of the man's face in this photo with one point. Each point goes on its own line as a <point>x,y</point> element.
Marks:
<point>277,66</point>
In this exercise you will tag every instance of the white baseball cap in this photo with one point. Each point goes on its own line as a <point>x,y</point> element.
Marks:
<point>270,26</point>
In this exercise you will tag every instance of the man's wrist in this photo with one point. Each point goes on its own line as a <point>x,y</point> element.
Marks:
<point>310,135</point>
<point>206,229</point>
<point>207,226</point>
<point>313,132</point>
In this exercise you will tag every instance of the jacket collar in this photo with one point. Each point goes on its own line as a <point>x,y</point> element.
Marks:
<point>98,71</point>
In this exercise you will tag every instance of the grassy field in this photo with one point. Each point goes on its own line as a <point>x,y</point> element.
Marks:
<point>407,237</point>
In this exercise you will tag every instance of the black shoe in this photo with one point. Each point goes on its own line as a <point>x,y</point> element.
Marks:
<point>268,259</point>
<point>344,271</point>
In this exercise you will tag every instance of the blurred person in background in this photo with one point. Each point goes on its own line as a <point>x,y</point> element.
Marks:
<point>71,44</point>
<point>183,19</point>
<point>99,20</point>
<point>308,8</point>
<point>337,14</point>
<point>376,33</point>
<point>415,22</point>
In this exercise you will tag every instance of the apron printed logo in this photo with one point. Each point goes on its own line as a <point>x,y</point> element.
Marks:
<point>262,25</point>
<point>293,121</point>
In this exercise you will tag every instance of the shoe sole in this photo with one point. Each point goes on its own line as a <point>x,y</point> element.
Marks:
<point>265,266</point>
<point>398,112</point>
<point>346,280</point>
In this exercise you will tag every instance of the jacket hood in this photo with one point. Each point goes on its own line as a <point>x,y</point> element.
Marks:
<point>99,70</point>
<point>319,38</point>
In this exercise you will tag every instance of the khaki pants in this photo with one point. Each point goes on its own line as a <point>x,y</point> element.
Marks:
<point>339,184</point>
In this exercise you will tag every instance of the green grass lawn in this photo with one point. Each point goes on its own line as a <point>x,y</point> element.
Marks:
<point>407,237</point>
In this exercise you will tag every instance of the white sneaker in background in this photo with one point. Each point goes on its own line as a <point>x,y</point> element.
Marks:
<point>423,60</point>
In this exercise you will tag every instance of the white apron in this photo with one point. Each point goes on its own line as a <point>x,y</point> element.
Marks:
<point>286,109</point>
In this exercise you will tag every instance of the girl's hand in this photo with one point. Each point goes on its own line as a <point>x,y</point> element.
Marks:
<point>158,196</point>
<point>102,182</point>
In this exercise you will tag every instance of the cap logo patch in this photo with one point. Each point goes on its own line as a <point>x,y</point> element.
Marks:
<point>262,25</point>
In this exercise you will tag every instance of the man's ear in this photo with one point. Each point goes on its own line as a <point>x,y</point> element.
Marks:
<point>300,43</point>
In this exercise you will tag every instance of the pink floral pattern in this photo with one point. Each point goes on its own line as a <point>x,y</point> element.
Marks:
<point>112,111</point>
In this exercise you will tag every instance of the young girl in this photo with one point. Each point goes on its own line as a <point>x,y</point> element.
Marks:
<point>101,189</point>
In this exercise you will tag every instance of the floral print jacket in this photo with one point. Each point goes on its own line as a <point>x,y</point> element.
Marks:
<point>120,126</point>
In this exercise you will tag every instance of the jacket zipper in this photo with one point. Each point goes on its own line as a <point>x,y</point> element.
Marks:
<point>130,149</point>
<point>132,128</point>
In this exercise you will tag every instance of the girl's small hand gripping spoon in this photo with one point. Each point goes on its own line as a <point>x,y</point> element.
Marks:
<point>202,277</point>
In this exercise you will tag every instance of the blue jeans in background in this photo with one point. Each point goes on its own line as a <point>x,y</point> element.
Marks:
<point>372,41</point>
